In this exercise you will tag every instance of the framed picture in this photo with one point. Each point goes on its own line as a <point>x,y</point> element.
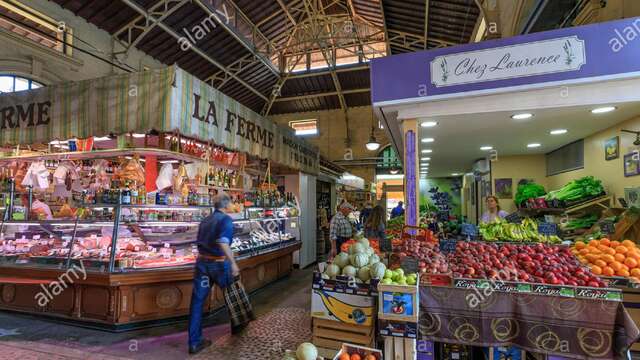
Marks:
<point>612,148</point>
<point>631,164</point>
<point>504,188</point>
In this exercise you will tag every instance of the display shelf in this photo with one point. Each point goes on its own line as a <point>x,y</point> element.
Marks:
<point>162,154</point>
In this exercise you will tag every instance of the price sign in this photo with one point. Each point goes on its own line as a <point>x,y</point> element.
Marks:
<point>546,228</point>
<point>448,245</point>
<point>409,265</point>
<point>385,244</point>
<point>514,218</point>
<point>608,227</point>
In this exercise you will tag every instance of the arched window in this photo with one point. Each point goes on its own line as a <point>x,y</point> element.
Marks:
<point>11,83</point>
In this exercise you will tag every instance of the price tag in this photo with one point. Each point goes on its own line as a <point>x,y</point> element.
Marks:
<point>608,227</point>
<point>385,244</point>
<point>409,265</point>
<point>514,218</point>
<point>546,228</point>
<point>448,245</point>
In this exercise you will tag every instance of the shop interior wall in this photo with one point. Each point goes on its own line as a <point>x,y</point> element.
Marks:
<point>610,172</point>
<point>333,131</point>
<point>516,168</point>
<point>431,197</point>
<point>24,57</point>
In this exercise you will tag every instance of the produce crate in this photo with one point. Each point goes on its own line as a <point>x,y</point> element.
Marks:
<point>329,334</point>
<point>399,349</point>
<point>360,350</point>
<point>342,300</point>
<point>427,279</point>
<point>398,302</point>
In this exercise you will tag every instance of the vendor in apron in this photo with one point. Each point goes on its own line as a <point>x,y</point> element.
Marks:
<point>340,228</point>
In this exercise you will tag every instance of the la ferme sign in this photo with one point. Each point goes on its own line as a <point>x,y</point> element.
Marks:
<point>515,61</point>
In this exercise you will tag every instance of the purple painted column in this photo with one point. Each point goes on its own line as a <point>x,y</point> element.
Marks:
<point>411,179</point>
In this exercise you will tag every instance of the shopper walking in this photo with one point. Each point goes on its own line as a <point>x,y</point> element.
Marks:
<point>340,228</point>
<point>376,224</point>
<point>364,213</point>
<point>216,265</point>
<point>398,210</point>
<point>493,210</point>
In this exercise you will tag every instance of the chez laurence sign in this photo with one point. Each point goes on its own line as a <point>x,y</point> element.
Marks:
<point>515,61</point>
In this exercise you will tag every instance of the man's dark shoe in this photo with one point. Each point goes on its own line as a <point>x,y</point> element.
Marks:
<point>196,349</point>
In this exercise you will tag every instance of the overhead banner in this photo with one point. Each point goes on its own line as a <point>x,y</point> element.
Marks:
<point>165,100</point>
<point>602,51</point>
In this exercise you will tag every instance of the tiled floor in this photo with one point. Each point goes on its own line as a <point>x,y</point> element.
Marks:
<point>283,322</point>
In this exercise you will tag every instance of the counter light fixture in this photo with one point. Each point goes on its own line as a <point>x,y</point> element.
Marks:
<point>602,110</point>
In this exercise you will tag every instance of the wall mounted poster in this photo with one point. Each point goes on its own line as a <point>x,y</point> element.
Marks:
<point>612,148</point>
<point>504,188</point>
<point>631,164</point>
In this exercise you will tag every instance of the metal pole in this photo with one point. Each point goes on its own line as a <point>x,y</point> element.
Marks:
<point>30,192</point>
<point>73,240</point>
<point>114,236</point>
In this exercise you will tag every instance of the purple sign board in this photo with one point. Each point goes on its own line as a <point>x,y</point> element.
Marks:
<point>571,55</point>
<point>411,213</point>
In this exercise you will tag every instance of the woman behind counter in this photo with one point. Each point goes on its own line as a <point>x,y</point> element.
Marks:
<point>493,210</point>
<point>376,223</point>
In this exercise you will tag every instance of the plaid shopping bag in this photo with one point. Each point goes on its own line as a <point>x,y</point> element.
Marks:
<point>240,310</point>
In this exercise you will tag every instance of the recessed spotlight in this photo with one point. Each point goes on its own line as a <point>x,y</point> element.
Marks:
<point>534,145</point>
<point>455,174</point>
<point>429,123</point>
<point>426,151</point>
<point>486,148</point>
<point>425,158</point>
<point>428,140</point>
<point>138,135</point>
<point>602,110</point>
<point>521,116</point>
<point>558,131</point>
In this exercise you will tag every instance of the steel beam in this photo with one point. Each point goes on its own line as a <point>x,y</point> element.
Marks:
<point>426,23</point>
<point>221,77</point>
<point>323,94</point>
<point>193,47</point>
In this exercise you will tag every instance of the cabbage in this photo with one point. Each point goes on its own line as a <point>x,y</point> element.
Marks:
<point>307,351</point>
<point>374,259</point>
<point>359,260</point>
<point>377,270</point>
<point>363,274</point>
<point>341,259</point>
<point>349,271</point>
<point>356,248</point>
<point>364,242</point>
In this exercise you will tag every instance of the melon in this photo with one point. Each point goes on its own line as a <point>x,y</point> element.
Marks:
<point>374,259</point>
<point>332,270</point>
<point>307,351</point>
<point>356,248</point>
<point>341,260</point>
<point>359,260</point>
<point>349,271</point>
<point>377,270</point>
<point>364,242</point>
<point>364,274</point>
<point>369,251</point>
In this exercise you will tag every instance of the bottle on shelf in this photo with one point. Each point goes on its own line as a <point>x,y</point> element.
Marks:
<point>126,194</point>
<point>134,194</point>
<point>142,195</point>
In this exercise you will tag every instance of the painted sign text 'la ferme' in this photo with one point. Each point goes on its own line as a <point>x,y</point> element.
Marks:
<point>234,123</point>
<point>33,114</point>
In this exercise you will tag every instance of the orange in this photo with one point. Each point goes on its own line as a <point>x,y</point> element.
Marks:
<point>621,249</point>
<point>344,356</point>
<point>584,251</point>
<point>622,272</point>
<point>631,262</point>
<point>616,266</point>
<point>619,257</point>
<point>592,257</point>
<point>607,271</point>
<point>605,242</point>
<point>596,270</point>
<point>633,255</point>
<point>600,263</point>
<point>629,244</point>
<point>610,251</point>
<point>624,267</point>
<point>614,244</point>
<point>356,357</point>
<point>607,258</point>
<point>594,243</point>
<point>594,250</point>
<point>603,248</point>
<point>580,245</point>
<point>635,272</point>
<point>583,260</point>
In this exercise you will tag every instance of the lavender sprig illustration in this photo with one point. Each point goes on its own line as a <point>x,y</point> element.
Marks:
<point>568,50</point>
<point>445,70</point>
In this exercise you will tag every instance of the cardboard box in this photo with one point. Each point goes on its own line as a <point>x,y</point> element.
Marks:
<point>360,350</point>
<point>340,300</point>
<point>398,302</point>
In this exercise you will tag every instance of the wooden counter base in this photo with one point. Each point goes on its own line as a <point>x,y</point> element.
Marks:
<point>112,301</point>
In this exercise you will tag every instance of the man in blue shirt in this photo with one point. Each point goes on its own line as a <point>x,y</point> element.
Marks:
<point>215,265</point>
<point>397,211</point>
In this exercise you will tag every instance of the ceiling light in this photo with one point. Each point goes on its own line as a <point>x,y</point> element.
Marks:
<point>426,151</point>
<point>521,116</point>
<point>425,158</point>
<point>393,170</point>
<point>455,174</point>
<point>429,123</point>
<point>534,145</point>
<point>373,144</point>
<point>558,131</point>
<point>486,148</point>
<point>604,109</point>
<point>427,140</point>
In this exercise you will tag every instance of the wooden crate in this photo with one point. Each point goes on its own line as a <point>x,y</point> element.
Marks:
<point>396,348</point>
<point>331,334</point>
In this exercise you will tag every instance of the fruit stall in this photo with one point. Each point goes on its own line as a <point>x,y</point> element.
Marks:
<point>101,206</point>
